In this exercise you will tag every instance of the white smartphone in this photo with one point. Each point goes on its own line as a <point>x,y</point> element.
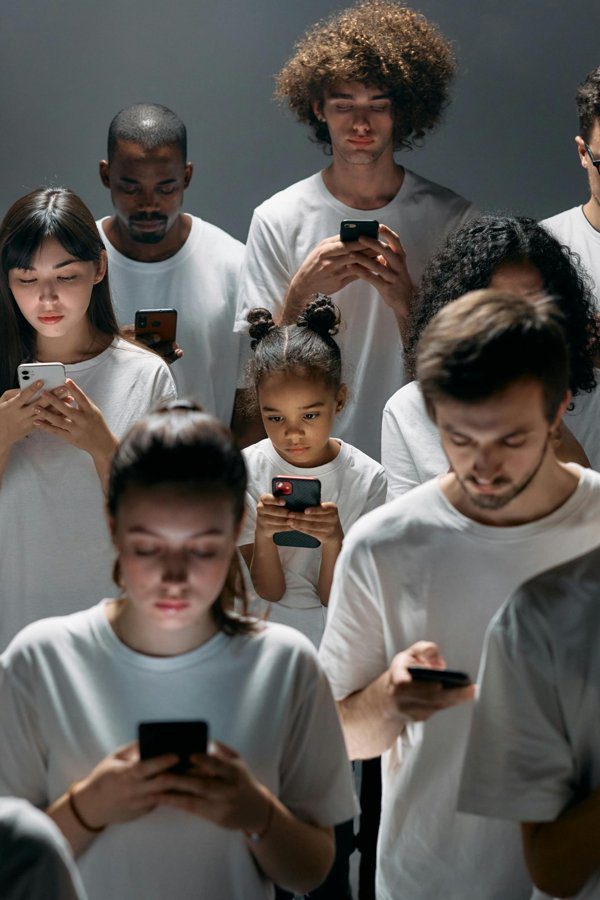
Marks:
<point>52,374</point>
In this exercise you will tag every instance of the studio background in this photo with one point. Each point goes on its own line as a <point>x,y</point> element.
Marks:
<point>69,65</point>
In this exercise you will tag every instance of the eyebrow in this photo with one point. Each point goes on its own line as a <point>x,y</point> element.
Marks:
<point>136,180</point>
<point>139,529</point>
<point>309,406</point>
<point>60,265</point>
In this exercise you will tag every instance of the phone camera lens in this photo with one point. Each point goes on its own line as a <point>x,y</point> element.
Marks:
<point>25,376</point>
<point>155,324</point>
<point>283,487</point>
<point>143,322</point>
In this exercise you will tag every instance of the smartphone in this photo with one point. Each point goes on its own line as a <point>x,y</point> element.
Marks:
<point>162,322</point>
<point>300,493</point>
<point>52,374</point>
<point>448,678</point>
<point>181,737</point>
<point>352,229</point>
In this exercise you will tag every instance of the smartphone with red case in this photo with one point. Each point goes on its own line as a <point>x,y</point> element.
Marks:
<point>162,322</point>
<point>299,492</point>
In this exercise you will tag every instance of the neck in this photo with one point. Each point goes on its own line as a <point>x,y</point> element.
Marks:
<point>172,242</point>
<point>364,187</point>
<point>76,346</point>
<point>550,488</point>
<point>143,636</point>
<point>591,211</point>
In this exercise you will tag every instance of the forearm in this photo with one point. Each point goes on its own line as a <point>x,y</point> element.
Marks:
<point>4,454</point>
<point>370,719</point>
<point>246,423</point>
<point>78,837</point>
<point>295,855</point>
<point>329,555</point>
<point>294,303</point>
<point>563,855</point>
<point>103,458</point>
<point>266,570</point>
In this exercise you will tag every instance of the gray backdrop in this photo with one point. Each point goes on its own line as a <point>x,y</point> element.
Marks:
<point>69,65</point>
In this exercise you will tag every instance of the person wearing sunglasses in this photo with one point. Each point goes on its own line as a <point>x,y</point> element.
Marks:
<point>579,227</point>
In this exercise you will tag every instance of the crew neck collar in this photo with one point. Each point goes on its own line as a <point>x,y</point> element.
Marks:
<point>289,469</point>
<point>349,211</point>
<point>188,247</point>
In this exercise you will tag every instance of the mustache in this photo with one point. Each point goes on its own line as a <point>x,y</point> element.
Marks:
<point>148,217</point>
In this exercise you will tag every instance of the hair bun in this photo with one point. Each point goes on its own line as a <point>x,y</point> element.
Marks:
<point>261,322</point>
<point>322,316</point>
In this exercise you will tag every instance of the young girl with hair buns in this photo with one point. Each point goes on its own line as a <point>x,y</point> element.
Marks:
<point>296,373</point>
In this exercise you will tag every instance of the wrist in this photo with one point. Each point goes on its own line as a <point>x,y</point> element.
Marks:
<point>260,827</point>
<point>78,797</point>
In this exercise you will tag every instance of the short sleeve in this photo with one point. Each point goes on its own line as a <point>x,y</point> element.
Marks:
<point>249,525</point>
<point>265,274</point>
<point>22,750</point>
<point>163,387</point>
<point>377,492</point>
<point>316,779</point>
<point>353,651</point>
<point>519,762</point>
<point>397,459</point>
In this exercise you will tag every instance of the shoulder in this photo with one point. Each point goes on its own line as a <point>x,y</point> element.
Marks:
<point>258,453</point>
<point>125,353</point>
<point>48,637</point>
<point>283,204</point>
<point>408,399</point>
<point>361,462</point>
<point>443,200</point>
<point>276,648</point>
<point>396,521</point>
<point>562,219</point>
<point>216,241</point>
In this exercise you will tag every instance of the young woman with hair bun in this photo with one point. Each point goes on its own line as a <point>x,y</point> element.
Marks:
<point>258,807</point>
<point>296,374</point>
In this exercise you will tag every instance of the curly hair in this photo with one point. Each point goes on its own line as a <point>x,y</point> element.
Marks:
<point>588,103</point>
<point>468,261</point>
<point>375,42</point>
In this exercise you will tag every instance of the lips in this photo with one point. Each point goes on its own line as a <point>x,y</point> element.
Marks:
<point>172,606</point>
<point>50,320</point>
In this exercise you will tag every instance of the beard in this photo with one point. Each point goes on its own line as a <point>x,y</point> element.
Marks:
<point>500,500</point>
<point>147,237</point>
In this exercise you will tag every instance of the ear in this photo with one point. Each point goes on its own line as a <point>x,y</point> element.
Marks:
<point>104,173</point>
<point>317,108</point>
<point>101,266</point>
<point>187,176</point>
<point>583,154</point>
<point>341,398</point>
<point>561,411</point>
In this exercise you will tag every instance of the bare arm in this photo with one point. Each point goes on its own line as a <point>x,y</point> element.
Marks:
<point>563,855</point>
<point>263,559</point>
<point>374,717</point>
<point>323,523</point>
<point>247,426</point>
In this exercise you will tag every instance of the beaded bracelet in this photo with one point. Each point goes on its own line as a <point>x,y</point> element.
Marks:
<point>75,811</point>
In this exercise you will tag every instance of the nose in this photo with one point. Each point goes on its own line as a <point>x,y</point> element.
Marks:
<point>294,428</point>
<point>360,121</point>
<point>48,291</point>
<point>147,200</point>
<point>487,464</point>
<point>175,569</point>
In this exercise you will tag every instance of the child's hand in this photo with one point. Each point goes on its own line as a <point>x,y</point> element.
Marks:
<point>272,516</point>
<point>321,522</point>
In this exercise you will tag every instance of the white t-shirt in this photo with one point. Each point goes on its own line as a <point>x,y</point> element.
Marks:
<point>53,533</point>
<point>35,860</point>
<point>288,226</point>
<point>573,229</point>
<point>200,281</point>
<point>411,450</point>
<point>535,745</point>
<point>417,569</point>
<point>354,481</point>
<point>71,693</point>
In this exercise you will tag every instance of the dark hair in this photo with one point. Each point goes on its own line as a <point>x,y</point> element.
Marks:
<point>307,346</point>
<point>488,339</point>
<point>468,261</point>
<point>588,103</point>
<point>150,125</point>
<point>180,445</point>
<point>45,213</point>
<point>375,42</point>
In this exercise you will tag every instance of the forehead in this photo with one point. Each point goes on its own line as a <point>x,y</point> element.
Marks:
<point>518,277</point>
<point>354,89</point>
<point>49,252</point>
<point>174,511</point>
<point>131,157</point>
<point>277,389</point>
<point>519,406</point>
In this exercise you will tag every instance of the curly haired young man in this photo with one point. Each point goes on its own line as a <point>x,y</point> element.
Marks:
<point>369,81</point>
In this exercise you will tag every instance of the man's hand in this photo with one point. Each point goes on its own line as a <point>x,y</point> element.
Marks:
<point>418,701</point>
<point>385,268</point>
<point>327,269</point>
<point>169,350</point>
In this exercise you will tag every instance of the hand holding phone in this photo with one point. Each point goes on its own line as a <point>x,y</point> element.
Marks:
<point>157,328</point>
<point>184,738</point>
<point>299,493</point>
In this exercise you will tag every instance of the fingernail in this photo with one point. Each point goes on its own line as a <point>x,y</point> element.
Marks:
<point>39,383</point>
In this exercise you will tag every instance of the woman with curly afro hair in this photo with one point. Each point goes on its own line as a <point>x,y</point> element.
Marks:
<point>368,81</point>
<point>516,254</point>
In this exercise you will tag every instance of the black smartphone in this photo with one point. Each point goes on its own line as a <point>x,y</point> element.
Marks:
<point>299,493</point>
<point>181,737</point>
<point>162,322</point>
<point>448,678</point>
<point>352,229</point>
